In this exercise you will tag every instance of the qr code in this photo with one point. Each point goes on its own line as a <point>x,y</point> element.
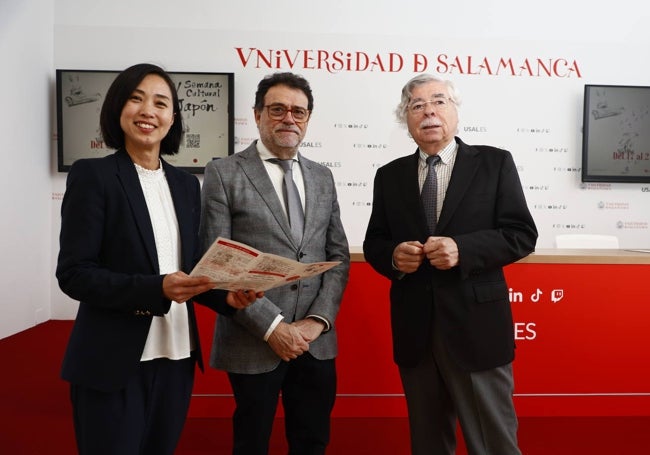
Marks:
<point>192,141</point>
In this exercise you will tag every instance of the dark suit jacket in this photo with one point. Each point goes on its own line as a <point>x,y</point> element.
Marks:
<point>485,212</point>
<point>108,261</point>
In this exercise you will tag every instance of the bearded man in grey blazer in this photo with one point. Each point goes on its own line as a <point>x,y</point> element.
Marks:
<point>286,341</point>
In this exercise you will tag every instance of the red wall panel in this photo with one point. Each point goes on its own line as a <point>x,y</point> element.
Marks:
<point>582,333</point>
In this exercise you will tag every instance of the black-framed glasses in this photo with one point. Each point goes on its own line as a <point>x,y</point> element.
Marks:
<point>279,112</point>
<point>439,104</point>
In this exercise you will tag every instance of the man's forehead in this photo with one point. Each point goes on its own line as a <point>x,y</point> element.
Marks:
<point>285,91</point>
<point>429,90</point>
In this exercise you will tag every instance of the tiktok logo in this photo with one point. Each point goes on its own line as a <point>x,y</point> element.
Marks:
<point>556,295</point>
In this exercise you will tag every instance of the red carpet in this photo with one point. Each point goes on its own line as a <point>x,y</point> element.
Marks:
<point>35,416</point>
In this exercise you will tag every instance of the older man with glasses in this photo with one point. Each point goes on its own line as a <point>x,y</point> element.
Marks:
<point>445,221</point>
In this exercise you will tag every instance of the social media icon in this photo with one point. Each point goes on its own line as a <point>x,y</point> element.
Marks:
<point>557,295</point>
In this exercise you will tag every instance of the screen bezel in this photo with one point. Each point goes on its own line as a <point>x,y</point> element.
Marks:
<point>590,147</point>
<point>220,121</point>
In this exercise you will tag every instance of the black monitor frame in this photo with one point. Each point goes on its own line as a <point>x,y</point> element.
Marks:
<point>207,104</point>
<point>616,134</point>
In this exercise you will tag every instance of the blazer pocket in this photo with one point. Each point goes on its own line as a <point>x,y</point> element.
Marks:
<point>490,292</point>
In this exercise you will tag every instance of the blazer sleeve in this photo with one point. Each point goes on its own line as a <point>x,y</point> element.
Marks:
<point>381,239</point>
<point>334,281</point>
<point>102,261</point>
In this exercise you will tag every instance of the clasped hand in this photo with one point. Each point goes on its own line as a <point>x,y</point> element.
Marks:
<point>441,252</point>
<point>289,341</point>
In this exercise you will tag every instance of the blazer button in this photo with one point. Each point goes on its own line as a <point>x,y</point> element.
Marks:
<point>294,287</point>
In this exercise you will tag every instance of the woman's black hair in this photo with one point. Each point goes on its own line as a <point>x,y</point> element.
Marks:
<point>117,96</point>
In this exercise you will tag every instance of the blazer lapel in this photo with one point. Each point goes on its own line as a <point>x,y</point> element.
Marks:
<point>253,168</point>
<point>128,177</point>
<point>407,184</point>
<point>465,167</point>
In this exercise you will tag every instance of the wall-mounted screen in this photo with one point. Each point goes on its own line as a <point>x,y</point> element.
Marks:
<point>206,106</point>
<point>616,134</point>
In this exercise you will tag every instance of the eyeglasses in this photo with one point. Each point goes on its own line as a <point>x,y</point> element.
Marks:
<point>279,112</point>
<point>439,105</point>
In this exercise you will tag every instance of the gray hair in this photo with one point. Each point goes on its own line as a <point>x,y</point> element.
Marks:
<point>407,90</point>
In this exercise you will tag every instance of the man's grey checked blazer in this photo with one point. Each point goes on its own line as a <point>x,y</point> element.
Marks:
<point>239,202</point>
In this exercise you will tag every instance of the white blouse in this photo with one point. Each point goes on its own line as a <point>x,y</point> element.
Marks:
<point>169,335</point>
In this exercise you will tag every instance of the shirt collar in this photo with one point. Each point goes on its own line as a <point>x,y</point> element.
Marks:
<point>265,154</point>
<point>446,154</point>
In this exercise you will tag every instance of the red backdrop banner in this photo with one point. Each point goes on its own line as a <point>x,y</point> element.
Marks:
<point>582,333</point>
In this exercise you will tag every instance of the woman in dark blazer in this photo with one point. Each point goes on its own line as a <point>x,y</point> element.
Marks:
<point>128,239</point>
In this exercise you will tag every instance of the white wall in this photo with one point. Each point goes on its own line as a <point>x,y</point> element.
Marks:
<point>25,197</point>
<point>41,35</point>
<point>597,21</point>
